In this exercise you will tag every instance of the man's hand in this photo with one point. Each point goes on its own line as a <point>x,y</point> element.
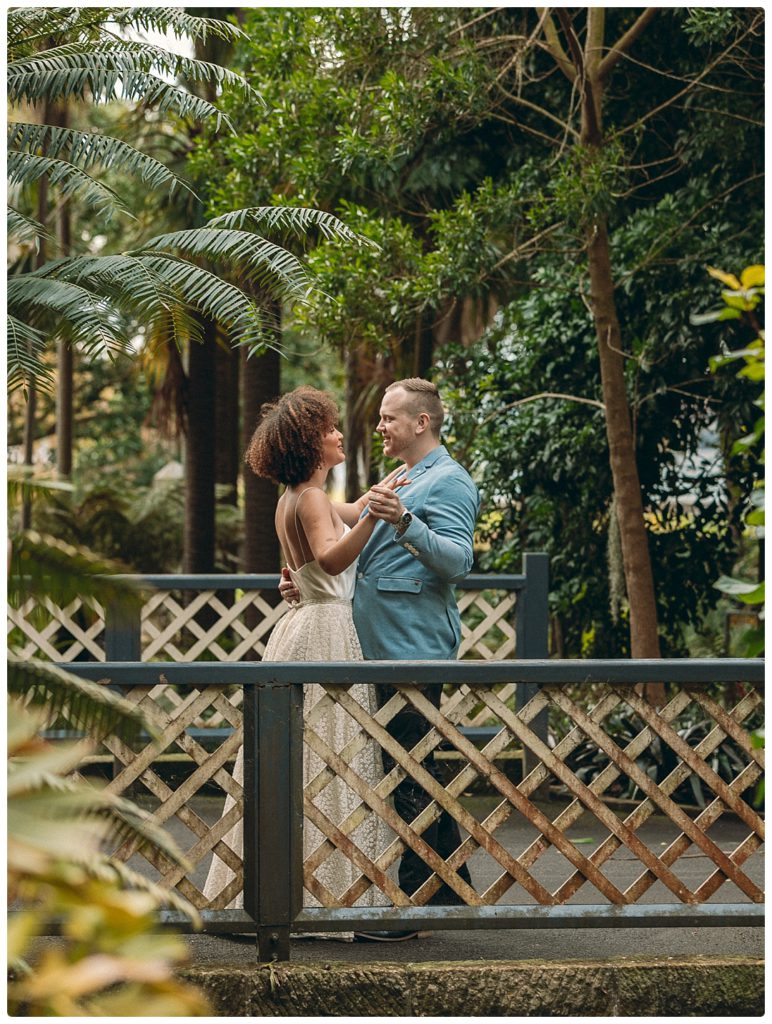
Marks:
<point>385,503</point>
<point>289,592</point>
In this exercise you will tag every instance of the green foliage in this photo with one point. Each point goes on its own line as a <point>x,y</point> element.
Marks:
<point>60,826</point>
<point>96,300</point>
<point>741,301</point>
<point>108,961</point>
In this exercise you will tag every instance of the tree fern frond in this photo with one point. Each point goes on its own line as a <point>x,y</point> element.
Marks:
<point>107,869</point>
<point>120,820</point>
<point>26,168</point>
<point>93,708</point>
<point>120,69</point>
<point>86,317</point>
<point>88,149</point>
<point>179,22</point>
<point>126,280</point>
<point>23,22</point>
<point>262,261</point>
<point>298,220</point>
<point>23,229</point>
<point>42,565</point>
<point>25,345</point>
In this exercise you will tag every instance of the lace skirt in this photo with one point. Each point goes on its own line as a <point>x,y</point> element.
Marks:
<point>322,632</point>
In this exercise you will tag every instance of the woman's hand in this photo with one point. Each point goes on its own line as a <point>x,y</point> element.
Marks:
<point>391,482</point>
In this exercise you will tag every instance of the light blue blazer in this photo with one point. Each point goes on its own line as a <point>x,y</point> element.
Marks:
<point>404,601</point>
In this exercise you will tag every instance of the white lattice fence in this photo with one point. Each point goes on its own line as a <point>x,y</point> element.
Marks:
<point>207,627</point>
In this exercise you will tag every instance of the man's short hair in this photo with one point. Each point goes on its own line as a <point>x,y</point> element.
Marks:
<point>422,396</point>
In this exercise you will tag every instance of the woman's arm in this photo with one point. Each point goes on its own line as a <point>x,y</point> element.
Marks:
<point>333,554</point>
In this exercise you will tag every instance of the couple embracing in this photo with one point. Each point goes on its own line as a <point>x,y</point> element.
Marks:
<point>368,579</point>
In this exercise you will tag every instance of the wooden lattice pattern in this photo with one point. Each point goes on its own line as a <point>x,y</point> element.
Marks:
<point>207,626</point>
<point>515,879</point>
<point>42,629</point>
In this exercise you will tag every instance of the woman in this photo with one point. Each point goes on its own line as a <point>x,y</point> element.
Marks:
<point>296,444</point>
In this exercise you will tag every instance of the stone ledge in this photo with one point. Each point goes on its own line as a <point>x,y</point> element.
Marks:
<point>672,986</point>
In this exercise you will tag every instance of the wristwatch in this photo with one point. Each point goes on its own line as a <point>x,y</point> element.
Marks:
<point>403,522</point>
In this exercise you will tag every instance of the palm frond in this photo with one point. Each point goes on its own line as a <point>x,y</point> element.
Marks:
<point>91,707</point>
<point>178,22</point>
<point>26,168</point>
<point>91,319</point>
<point>22,228</point>
<point>41,565</point>
<point>22,482</point>
<point>209,293</point>
<point>25,345</point>
<point>119,69</point>
<point>88,149</point>
<point>297,220</point>
<point>118,820</point>
<point>265,263</point>
<point>106,869</point>
<point>123,279</point>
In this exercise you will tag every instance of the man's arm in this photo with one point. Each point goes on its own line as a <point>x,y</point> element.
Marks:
<point>443,539</point>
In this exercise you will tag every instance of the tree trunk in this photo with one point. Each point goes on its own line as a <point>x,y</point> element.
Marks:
<point>351,429</point>
<point>65,353</point>
<point>200,442</point>
<point>260,382</point>
<point>28,446</point>
<point>226,467</point>
<point>639,581</point>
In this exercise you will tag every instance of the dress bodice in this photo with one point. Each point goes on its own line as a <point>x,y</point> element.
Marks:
<point>316,585</point>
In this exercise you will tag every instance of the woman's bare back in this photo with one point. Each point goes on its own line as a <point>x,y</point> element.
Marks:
<point>289,527</point>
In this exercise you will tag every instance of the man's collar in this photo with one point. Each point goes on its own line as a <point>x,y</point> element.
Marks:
<point>428,460</point>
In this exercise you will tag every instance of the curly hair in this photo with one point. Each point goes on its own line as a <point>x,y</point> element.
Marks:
<point>287,445</point>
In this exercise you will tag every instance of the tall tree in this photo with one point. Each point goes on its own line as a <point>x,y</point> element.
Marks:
<point>65,356</point>
<point>589,67</point>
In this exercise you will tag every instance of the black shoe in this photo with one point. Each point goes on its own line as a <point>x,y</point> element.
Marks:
<point>386,936</point>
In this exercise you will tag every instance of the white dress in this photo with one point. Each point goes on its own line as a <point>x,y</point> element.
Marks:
<point>321,628</point>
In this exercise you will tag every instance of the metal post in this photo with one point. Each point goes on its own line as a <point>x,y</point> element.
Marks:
<point>123,632</point>
<point>273,814</point>
<point>532,637</point>
<point>123,642</point>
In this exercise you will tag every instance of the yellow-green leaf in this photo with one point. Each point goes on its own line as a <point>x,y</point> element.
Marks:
<point>753,276</point>
<point>727,279</point>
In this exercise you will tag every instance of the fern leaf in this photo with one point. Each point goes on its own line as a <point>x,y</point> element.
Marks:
<point>22,228</point>
<point>88,149</point>
<point>42,565</point>
<point>262,262</point>
<point>26,168</point>
<point>88,706</point>
<point>25,345</point>
<point>297,220</point>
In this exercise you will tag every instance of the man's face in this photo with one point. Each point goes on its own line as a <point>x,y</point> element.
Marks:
<point>396,425</point>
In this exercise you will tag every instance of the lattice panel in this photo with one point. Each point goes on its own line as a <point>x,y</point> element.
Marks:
<point>487,624</point>
<point>41,629</point>
<point>139,775</point>
<point>517,877</point>
<point>206,627</point>
<point>511,873</point>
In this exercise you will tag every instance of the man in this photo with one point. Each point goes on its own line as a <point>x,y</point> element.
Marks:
<point>404,602</point>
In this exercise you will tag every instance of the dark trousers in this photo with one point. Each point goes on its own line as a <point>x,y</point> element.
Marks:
<point>407,727</point>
